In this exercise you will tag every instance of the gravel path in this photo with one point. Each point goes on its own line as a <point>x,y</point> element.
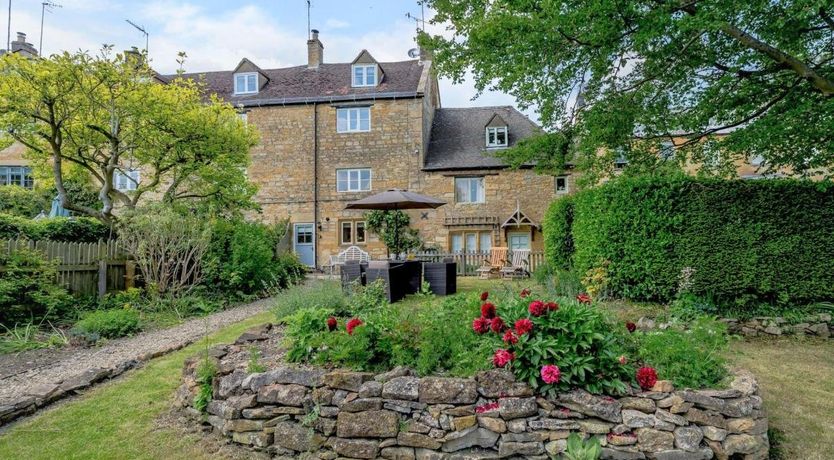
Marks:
<point>46,375</point>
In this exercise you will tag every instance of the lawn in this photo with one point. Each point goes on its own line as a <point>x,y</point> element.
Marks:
<point>119,419</point>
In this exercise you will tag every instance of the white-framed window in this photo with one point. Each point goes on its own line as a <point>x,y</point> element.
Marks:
<point>352,232</point>
<point>364,75</point>
<point>667,150</point>
<point>126,180</point>
<point>353,180</point>
<point>620,161</point>
<point>562,185</point>
<point>756,160</point>
<point>496,136</point>
<point>470,241</point>
<point>469,190</point>
<point>246,83</point>
<point>518,240</point>
<point>456,242</point>
<point>353,120</point>
<point>17,175</point>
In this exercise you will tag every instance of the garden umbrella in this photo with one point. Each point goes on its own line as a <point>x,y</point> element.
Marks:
<point>395,200</point>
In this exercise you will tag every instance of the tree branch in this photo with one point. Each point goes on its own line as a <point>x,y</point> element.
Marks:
<point>826,18</point>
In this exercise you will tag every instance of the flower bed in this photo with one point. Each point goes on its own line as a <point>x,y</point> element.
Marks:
<point>288,410</point>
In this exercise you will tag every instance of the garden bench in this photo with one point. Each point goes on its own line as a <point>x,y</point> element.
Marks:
<point>353,253</point>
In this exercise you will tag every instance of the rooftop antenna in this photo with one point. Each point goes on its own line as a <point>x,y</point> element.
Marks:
<point>421,21</point>
<point>309,36</point>
<point>140,29</point>
<point>45,6</point>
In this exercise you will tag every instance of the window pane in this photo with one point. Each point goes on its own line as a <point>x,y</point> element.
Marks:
<point>370,75</point>
<point>471,242</point>
<point>346,233</point>
<point>364,119</point>
<point>457,242</point>
<point>357,76</point>
<point>486,241</point>
<point>341,120</point>
<point>16,175</point>
<point>501,136</point>
<point>252,85</point>
<point>4,175</point>
<point>490,136</point>
<point>461,190</point>
<point>354,119</point>
<point>341,180</point>
<point>561,184</point>
<point>239,83</point>
<point>360,232</point>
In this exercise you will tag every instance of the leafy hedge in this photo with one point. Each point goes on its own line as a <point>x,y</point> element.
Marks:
<point>558,241</point>
<point>19,201</point>
<point>743,242</point>
<point>77,229</point>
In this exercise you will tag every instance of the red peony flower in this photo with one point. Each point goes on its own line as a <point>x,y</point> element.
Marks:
<point>353,324</point>
<point>510,337</point>
<point>550,374</point>
<point>488,310</point>
<point>552,306</point>
<point>631,326</point>
<point>646,377</point>
<point>484,296</point>
<point>537,308</point>
<point>523,326</point>
<point>502,357</point>
<point>525,292</point>
<point>480,325</point>
<point>622,359</point>
<point>584,298</point>
<point>331,324</point>
<point>497,325</point>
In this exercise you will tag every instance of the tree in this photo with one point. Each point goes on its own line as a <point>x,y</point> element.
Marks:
<point>648,70</point>
<point>392,228</point>
<point>105,115</point>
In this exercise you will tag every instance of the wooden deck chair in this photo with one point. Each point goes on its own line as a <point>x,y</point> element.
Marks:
<point>492,265</point>
<point>519,265</point>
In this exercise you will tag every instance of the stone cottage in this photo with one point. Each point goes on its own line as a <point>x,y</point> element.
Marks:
<point>332,133</point>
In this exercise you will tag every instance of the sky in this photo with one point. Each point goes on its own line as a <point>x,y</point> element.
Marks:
<point>217,34</point>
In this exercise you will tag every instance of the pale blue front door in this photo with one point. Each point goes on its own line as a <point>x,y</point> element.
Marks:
<point>304,243</point>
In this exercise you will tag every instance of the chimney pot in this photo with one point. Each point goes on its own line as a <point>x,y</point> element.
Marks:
<point>315,50</point>
<point>21,37</point>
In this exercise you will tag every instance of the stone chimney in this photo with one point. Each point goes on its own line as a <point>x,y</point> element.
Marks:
<point>21,46</point>
<point>315,50</point>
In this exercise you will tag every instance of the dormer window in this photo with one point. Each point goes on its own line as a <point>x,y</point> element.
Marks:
<point>496,136</point>
<point>246,83</point>
<point>364,75</point>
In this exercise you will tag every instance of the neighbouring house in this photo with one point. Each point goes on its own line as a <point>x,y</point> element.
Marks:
<point>332,133</point>
<point>14,167</point>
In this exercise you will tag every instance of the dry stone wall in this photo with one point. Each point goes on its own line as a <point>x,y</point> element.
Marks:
<point>289,410</point>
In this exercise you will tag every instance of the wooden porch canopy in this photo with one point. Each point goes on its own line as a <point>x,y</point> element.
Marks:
<point>518,218</point>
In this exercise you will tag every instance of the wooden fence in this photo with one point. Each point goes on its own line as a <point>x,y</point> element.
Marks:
<point>83,268</point>
<point>468,262</point>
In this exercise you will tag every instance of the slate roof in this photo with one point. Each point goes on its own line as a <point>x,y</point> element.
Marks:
<point>458,142</point>
<point>330,82</point>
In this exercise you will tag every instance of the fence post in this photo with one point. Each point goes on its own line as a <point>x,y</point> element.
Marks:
<point>102,278</point>
<point>130,274</point>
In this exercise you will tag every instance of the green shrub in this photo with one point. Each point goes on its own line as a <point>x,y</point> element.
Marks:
<point>558,239</point>
<point>21,202</point>
<point>691,356</point>
<point>29,292</point>
<point>110,324</point>
<point>76,229</point>
<point>241,259</point>
<point>580,449</point>
<point>206,371</point>
<point>742,242</point>
<point>322,294</point>
<point>366,298</point>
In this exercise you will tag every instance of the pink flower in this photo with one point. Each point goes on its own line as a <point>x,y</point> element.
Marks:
<point>353,324</point>
<point>525,292</point>
<point>510,337</point>
<point>584,298</point>
<point>630,326</point>
<point>536,308</point>
<point>488,310</point>
<point>646,377</point>
<point>552,306</point>
<point>550,374</point>
<point>480,325</point>
<point>497,325</point>
<point>331,324</point>
<point>523,326</point>
<point>622,359</point>
<point>484,296</point>
<point>488,407</point>
<point>502,358</point>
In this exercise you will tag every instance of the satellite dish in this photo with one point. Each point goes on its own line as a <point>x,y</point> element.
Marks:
<point>414,53</point>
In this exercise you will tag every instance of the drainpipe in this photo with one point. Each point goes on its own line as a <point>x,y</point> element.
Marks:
<point>316,226</point>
